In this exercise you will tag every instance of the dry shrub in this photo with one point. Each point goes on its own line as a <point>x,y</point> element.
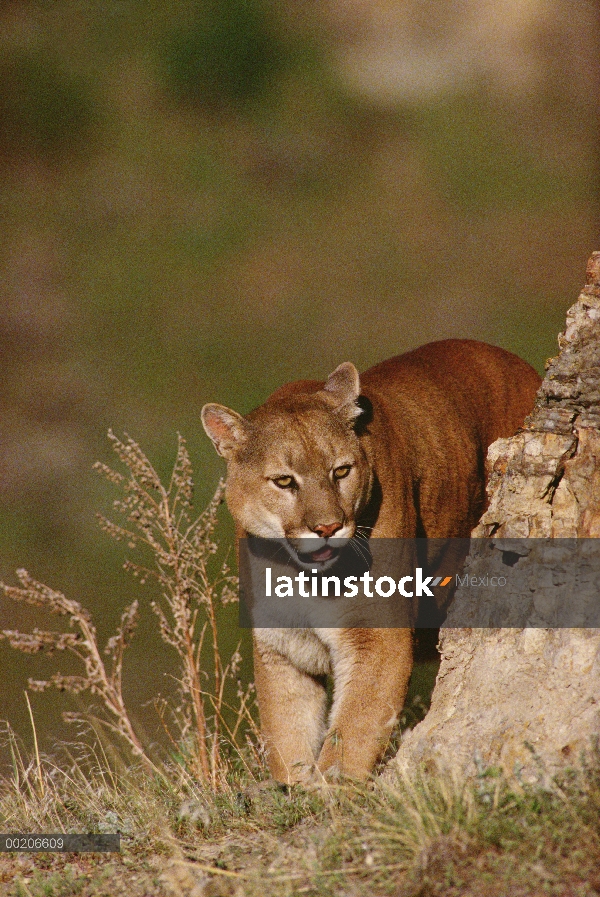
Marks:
<point>182,549</point>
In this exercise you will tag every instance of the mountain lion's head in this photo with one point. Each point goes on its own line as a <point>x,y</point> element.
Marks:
<point>295,467</point>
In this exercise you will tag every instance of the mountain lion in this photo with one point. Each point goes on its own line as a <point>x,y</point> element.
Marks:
<point>397,453</point>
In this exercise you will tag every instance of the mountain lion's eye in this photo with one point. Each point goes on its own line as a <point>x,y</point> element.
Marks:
<point>340,472</point>
<point>284,482</point>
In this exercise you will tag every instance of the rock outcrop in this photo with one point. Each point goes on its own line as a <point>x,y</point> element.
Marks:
<point>528,699</point>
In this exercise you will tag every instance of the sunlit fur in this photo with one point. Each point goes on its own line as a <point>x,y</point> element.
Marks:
<point>416,445</point>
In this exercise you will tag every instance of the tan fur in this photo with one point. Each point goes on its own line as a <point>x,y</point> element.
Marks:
<point>416,469</point>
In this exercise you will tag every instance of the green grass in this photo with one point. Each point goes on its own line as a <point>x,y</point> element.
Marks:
<point>422,836</point>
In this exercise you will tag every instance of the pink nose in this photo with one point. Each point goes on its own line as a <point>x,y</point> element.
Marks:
<point>325,530</point>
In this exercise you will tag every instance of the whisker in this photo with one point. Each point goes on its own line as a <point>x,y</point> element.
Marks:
<point>362,532</point>
<point>282,548</point>
<point>359,550</point>
<point>362,536</point>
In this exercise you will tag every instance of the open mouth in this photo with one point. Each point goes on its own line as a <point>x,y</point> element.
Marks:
<point>320,556</point>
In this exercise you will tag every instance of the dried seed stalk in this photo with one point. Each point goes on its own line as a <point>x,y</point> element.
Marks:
<point>182,550</point>
<point>106,683</point>
<point>182,547</point>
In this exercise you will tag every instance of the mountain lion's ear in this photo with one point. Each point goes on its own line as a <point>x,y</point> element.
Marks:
<point>227,429</point>
<point>343,386</point>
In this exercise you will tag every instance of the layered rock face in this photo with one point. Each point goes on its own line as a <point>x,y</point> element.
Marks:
<point>527,699</point>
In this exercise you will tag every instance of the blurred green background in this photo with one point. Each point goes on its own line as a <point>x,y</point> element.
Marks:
<point>202,200</point>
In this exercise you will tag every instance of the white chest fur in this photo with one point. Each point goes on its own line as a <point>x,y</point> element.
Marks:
<point>302,647</point>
